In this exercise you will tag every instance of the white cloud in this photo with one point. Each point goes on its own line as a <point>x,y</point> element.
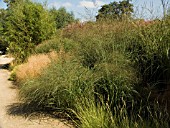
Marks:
<point>91,4</point>
<point>58,4</point>
<point>67,4</point>
<point>87,4</point>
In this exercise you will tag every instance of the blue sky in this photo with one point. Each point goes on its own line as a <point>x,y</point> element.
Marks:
<point>87,9</point>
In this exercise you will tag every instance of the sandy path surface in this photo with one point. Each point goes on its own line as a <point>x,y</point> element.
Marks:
<point>9,118</point>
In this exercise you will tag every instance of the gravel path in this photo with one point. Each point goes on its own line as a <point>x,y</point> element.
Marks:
<point>9,118</point>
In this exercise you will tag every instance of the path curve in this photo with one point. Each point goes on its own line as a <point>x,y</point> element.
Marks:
<point>8,97</point>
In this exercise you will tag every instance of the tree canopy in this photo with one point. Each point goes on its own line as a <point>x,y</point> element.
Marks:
<point>115,10</point>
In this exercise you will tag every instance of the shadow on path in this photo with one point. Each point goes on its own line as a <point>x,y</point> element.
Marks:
<point>4,66</point>
<point>28,111</point>
<point>20,109</point>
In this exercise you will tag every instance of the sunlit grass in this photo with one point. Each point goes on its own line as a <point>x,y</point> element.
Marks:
<point>105,75</point>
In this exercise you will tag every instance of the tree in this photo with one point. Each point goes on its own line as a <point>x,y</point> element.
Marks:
<point>62,17</point>
<point>27,24</point>
<point>115,10</point>
<point>3,44</point>
<point>10,2</point>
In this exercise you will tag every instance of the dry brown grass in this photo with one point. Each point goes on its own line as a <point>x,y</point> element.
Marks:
<point>34,66</point>
<point>36,63</point>
<point>99,30</point>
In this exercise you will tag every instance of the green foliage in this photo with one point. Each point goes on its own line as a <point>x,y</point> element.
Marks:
<point>62,17</point>
<point>13,74</point>
<point>47,46</point>
<point>55,44</point>
<point>27,25</point>
<point>115,10</point>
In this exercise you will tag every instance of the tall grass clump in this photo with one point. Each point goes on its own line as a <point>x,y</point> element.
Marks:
<point>99,51</point>
<point>55,44</point>
<point>146,44</point>
<point>130,62</point>
<point>59,86</point>
<point>97,42</point>
<point>34,66</point>
<point>150,52</point>
<point>92,116</point>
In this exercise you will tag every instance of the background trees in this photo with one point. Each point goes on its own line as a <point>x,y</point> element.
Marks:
<point>115,10</point>
<point>62,17</point>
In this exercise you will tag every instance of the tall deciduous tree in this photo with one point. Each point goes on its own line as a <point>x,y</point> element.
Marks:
<point>26,25</point>
<point>115,10</point>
